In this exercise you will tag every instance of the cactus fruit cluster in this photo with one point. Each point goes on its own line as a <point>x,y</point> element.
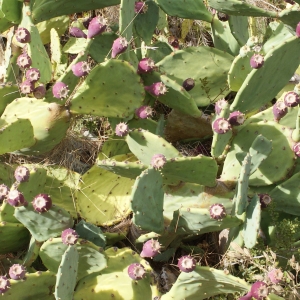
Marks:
<point>239,95</point>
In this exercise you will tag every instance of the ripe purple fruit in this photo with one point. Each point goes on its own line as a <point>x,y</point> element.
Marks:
<point>188,84</point>
<point>77,32</point>
<point>22,35</point>
<point>140,7</point>
<point>122,129</point>
<point>97,25</point>
<point>60,90</point>
<point>24,61</point>
<point>220,104</point>
<point>150,248</point>
<point>42,203</point>
<point>222,17</point>
<point>156,89</point>
<point>22,174</point>
<point>4,190</point>
<point>275,276</point>
<point>236,118</point>
<point>144,112</point>
<point>119,46</point>
<point>81,68</point>
<point>298,30</point>
<point>279,110</point>
<point>145,65</point>
<point>217,211</point>
<point>39,92</point>
<point>259,290</point>
<point>296,149</point>
<point>17,272</point>
<point>136,271</point>
<point>4,284</point>
<point>15,198</point>
<point>33,75</point>
<point>26,87</point>
<point>257,61</point>
<point>291,99</point>
<point>158,161</point>
<point>186,264</point>
<point>221,126</point>
<point>69,236</point>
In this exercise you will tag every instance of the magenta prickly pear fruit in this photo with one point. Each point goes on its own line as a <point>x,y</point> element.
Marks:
<point>22,35</point>
<point>145,65</point>
<point>42,203</point>
<point>279,110</point>
<point>22,174</point>
<point>39,92</point>
<point>257,61</point>
<point>24,61</point>
<point>26,87</point>
<point>4,190</point>
<point>265,200</point>
<point>150,248</point>
<point>222,17</point>
<point>217,211</point>
<point>298,30</point>
<point>246,297</point>
<point>60,90</point>
<point>236,118</point>
<point>119,46</point>
<point>221,126</point>
<point>156,89</point>
<point>136,271</point>
<point>291,99</point>
<point>140,7</point>
<point>80,69</point>
<point>86,22</point>
<point>296,149</point>
<point>220,104</point>
<point>122,129</point>
<point>144,112</point>
<point>186,264</point>
<point>275,275</point>
<point>4,284</point>
<point>97,25</point>
<point>158,161</point>
<point>33,75</point>
<point>17,272</point>
<point>15,198</point>
<point>259,290</point>
<point>77,32</point>
<point>69,236</point>
<point>188,84</point>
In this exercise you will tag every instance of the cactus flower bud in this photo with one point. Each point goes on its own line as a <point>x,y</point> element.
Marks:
<point>221,126</point>
<point>60,90</point>
<point>15,198</point>
<point>144,112</point>
<point>220,104</point>
<point>33,75</point>
<point>22,174</point>
<point>217,211</point>
<point>158,161</point>
<point>275,276</point>
<point>236,118</point>
<point>140,7</point>
<point>145,65</point>
<point>257,61</point>
<point>26,87</point>
<point>291,99</point>
<point>81,68</point>
<point>156,89</point>
<point>279,110</point>
<point>296,149</point>
<point>136,271</point>
<point>4,190</point>
<point>22,35</point>
<point>77,32</point>
<point>188,84</point>
<point>42,203</point>
<point>119,46</point>
<point>122,129</point>
<point>150,248</point>
<point>39,92</point>
<point>97,25</point>
<point>186,264</point>
<point>4,284</point>
<point>265,200</point>
<point>24,61</point>
<point>17,272</point>
<point>69,236</point>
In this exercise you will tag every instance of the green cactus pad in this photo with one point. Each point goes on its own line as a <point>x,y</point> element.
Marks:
<point>125,20</point>
<point>112,147</point>
<point>91,260</point>
<point>6,174</point>
<point>8,93</point>
<point>103,198</point>
<point>43,226</point>
<point>75,45</point>
<point>239,28</point>
<point>12,10</point>
<point>148,196</point>
<point>32,252</point>
<point>7,213</point>
<point>210,76</point>
<point>146,124</point>
<point>104,80</point>
<point>158,51</point>
<point>203,283</point>
<point>186,9</point>
<point>290,16</point>
<point>219,143</point>
<point>66,277</point>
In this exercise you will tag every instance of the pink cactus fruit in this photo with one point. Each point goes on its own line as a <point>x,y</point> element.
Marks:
<point>77,32</point>
<point>144,112</point>
<point>15,198</point>
<point>298,30</point>
<point>122,129</point>
<point>4,284</point>
<point>140,7</point>
<point>259,290</point>
<point>136,271</point>
<point>145,65</point>
<point>119,46</point>
<point>246,297</point>
<point>221,126</point>
<point>158,161</point>
<point>33,75</point>
<point>81,68</point>
<point>156,89</point>
<point>22,35</point>
<point>4,190</point>
<point>17,272</point>
<point>97,26</point>
<point>265,200</point>
<point>296,149</point>
<point>22,174</point>
<point>39,92</point>
<point>186,264</point>
<point>217,211</point>
<point>69,236</point>
<point>279,110</point>
<point>222,17</point>
<point>150,248</point>
<point>291,99</point>
<point>42,203</point>
<point>257,61</point>
<point>60,90</point>
<point>24,61</point>
<point>236,118</point>
<point>26,87</point>
<point>188,84</point>
<point>220,104</point>
<point>275,275</point>
<point>86,22</point>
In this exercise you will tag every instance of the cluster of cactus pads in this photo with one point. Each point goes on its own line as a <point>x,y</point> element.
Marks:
<point>242,94</point>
